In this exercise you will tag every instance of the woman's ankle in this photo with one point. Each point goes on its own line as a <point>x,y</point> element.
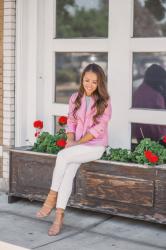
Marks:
<point>60,210</point>
<point>52,192</point>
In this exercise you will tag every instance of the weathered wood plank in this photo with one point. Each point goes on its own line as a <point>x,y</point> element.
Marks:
<point>120,209</point>
<point>31,175</point>
<point>130,171</point>
<point>161,174</point>
<point>115,188</point>
<point>160,196</point>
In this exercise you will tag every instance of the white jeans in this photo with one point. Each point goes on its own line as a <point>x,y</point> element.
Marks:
<point>67,163</point>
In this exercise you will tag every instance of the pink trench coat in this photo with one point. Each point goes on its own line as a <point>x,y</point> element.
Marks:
<point>84,123</point>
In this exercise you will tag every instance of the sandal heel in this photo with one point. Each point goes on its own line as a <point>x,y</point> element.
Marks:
<point>57,225</point>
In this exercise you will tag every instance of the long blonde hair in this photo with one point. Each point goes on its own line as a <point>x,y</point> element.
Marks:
<point>100,95</point>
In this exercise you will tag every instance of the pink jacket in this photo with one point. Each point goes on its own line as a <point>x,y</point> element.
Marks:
<point>84,122</point>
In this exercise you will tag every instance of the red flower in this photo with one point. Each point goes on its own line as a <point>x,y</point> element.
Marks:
<point>147,153</point>
<point>164,139</point>
<point>38,124</point>
<point>150,156</point>
<point>154,158</point>
<point>61,143</point>
<point>62,120</point>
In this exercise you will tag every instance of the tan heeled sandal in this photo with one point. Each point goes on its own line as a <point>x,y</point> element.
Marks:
<point>48,205</point>
<point>57,225</point>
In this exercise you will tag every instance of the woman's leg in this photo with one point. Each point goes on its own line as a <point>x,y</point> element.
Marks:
<point>78,154</point>
<point>48,205</point>
<point>65,189</point>
<point>58,173</point>
<point>75,154</point>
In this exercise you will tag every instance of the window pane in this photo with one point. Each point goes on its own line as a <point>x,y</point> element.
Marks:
<point>81,18</point>
<point>140,131</point>
<point>68,69</point>
<point>149,80</point>
<point>149,18</point>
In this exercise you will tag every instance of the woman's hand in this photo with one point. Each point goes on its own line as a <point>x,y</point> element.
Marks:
<point>70,143</point>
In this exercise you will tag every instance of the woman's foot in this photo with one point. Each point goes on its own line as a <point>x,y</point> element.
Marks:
<point>57,224</point>
<point>48,205</point>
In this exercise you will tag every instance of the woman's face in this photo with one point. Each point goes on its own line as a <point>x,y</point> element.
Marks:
<point>90,82</point>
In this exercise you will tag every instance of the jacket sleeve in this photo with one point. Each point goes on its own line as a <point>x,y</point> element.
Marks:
<point>71,121</point>
<point>99,129</point>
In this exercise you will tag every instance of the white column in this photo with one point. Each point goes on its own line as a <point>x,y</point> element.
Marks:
<point>26,71</point>
<point>120,71</point>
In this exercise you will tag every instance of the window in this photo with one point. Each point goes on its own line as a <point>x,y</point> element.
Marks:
<point>142,130</point>
<point>82,18</point>
<point>149,18</point>
<point>148,95</point>
<point>69,66</point>
<point>57,127</point>
<point>76,34</point>
<point>149,80</point>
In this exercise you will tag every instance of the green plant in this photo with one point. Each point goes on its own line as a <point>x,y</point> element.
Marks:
<point>47,143</point>
<point>117,154</point>
<point>147,152</point>
<point>140,154</point>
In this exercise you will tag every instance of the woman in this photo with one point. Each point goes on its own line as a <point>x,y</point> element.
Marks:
<point>87,137</point>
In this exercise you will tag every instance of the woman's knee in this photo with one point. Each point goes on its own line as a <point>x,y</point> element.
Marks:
<point>61,153</point>
<point>69,156</point>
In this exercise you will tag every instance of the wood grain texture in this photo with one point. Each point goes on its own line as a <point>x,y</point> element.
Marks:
<point>113,188</point>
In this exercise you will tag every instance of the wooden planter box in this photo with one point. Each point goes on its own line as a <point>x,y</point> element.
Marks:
<point>130,190</point>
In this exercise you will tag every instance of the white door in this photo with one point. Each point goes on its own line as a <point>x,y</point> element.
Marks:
<point>61,52</point>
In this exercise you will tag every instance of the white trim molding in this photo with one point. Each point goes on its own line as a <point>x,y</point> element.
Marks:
<point>26,70</point>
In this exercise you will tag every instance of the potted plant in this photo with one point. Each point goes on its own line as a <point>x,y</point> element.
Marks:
<point>131,184</point>
<point>47,143</point>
